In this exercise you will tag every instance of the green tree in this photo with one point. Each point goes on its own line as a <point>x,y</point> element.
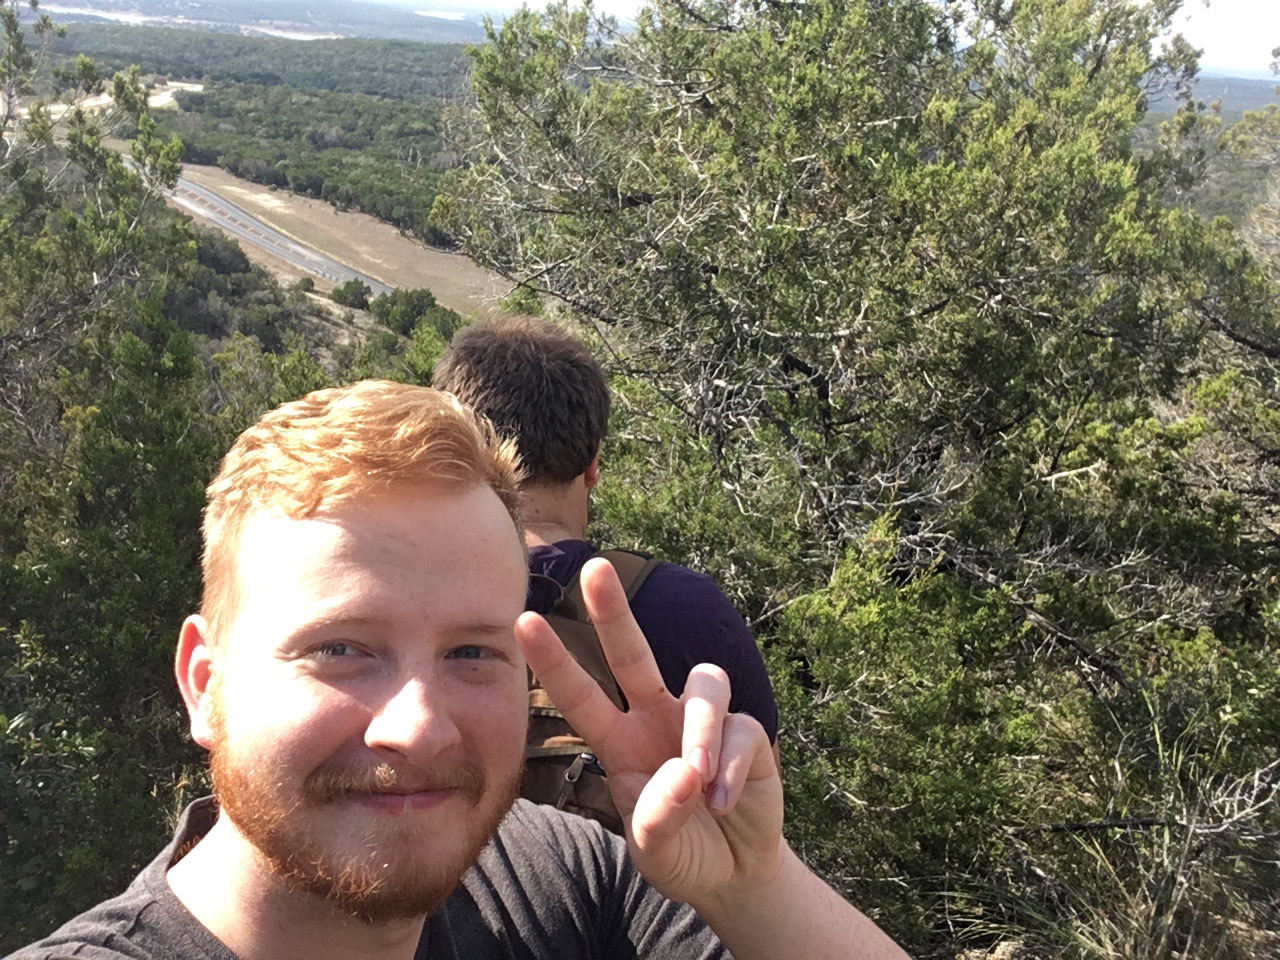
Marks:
<point>92,378</point>
<point>116,400</point>
<point>403,309</point>
<point>897,273</point>
<point>109,567</point>
<point>354,293</point>
<point>1257,138</point>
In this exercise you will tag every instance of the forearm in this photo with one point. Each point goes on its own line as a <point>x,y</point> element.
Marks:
<point>795,915</point>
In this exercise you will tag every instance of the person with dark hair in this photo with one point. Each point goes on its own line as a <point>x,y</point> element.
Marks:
<point>543,389</point>
<point>357,672</point>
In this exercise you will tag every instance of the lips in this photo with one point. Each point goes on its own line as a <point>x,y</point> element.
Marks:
<point>399,802</point>
<point>386,787</point>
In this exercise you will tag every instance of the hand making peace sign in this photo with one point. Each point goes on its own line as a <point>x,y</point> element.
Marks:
<point>697,786</point>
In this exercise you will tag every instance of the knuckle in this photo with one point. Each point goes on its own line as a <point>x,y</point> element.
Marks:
<point>744,726</point>
<point>711,671</point>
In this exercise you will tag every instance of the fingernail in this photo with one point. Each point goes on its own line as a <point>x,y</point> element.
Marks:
<point>700,760</point>
<point>720,798</point>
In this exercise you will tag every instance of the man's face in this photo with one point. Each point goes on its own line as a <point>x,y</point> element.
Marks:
<point>369,699</point>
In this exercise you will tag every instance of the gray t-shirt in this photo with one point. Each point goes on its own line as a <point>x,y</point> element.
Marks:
<point>549,887</point>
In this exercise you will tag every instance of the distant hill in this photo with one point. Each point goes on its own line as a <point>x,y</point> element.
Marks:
<point>1236,94</point>
<point>293,19</point>
<point>393,69</point>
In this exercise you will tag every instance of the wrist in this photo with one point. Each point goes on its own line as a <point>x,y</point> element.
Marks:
<point>788,911</point>
<point>760,884</point>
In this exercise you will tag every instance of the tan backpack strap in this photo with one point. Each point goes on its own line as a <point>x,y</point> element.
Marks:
<point>633,570</point>
<point>583,644</point>
<point>559,766</point>
<point>570,621</point>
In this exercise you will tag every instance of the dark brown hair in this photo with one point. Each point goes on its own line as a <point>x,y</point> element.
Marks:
<point>540,386</point>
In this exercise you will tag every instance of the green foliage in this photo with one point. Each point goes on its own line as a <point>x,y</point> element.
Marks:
<point>97,598</point>
<point>1228,185</point>
<point>392,69</point>
<point>403,310</point>
<point>102,464</point>
<point>1256,141</point>
<point>920,727</point>
<point>221,293</point>
<point>916,348</point>
<point>907,283</point>
<point>659,492</point>
<point>133,348</point>
<point>372,154</point>
<point>354,293</point>
<point>426,346</point>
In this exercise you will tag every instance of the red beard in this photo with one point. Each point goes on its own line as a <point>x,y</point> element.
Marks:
<point>383,882</point>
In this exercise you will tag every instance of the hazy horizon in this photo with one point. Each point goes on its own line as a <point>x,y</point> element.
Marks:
<point>1237,36</point>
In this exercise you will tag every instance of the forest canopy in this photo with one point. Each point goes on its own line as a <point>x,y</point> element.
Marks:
<point>356,151</point>
<point>920,348</point>
<point>392,69</point>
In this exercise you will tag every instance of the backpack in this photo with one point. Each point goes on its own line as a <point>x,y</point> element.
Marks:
<point>559,768</point>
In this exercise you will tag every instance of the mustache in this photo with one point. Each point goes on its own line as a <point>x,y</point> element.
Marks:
<point>326,784</point>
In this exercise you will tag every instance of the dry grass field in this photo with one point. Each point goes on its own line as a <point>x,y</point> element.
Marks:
<point>358,240</point>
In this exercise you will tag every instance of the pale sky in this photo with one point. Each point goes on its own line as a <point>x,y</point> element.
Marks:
<point>1234,34</point>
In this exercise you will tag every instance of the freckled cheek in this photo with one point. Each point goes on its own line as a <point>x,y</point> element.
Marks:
<point>496,724</point>
<point>289,726</point>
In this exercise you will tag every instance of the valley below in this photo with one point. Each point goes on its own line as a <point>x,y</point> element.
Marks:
<point>361,242</point>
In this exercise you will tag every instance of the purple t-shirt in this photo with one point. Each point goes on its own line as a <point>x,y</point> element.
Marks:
<point>687,621</point>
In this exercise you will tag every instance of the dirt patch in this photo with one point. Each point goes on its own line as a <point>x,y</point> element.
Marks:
<point>360,241</point>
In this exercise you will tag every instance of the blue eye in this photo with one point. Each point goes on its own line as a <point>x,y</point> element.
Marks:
<point>469,652</point>
<point>336,650</point>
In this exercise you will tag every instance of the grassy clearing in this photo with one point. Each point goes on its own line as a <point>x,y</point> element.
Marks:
<point>360,241</point>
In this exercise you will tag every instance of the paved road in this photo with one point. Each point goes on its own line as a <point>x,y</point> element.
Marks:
<point>203,202</point>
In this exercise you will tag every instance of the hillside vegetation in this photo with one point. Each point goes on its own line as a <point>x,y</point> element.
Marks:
<point>133,348</point>
<point>393,69</point>
<point>354,122</point>
<point>293,19</point>
<point>920,350</point>
<point>361,152</point>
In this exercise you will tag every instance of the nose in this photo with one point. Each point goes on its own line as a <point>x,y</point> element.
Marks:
<point>415,721</point>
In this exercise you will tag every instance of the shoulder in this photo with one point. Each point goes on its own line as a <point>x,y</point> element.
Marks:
<point>682,608</point>
<point>137,925</point>
<point>559,559</point>
<point>146,921</point>
<point>673,582</point>
<point>105,932</point>
<point>688,620</point>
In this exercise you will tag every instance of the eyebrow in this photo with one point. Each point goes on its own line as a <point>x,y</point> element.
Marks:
<point>471,627</point>
<point>341,621</point>
<point>484,628</point>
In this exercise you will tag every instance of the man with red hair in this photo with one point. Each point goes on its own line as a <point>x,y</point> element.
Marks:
<point>358,674</point>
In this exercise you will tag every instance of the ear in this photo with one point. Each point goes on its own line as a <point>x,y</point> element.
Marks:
<point>193,666</point>
<point>591,476</point>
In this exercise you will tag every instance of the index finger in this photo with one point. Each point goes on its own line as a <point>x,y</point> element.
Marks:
<point>575,692</point>
<point>625,647</point>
